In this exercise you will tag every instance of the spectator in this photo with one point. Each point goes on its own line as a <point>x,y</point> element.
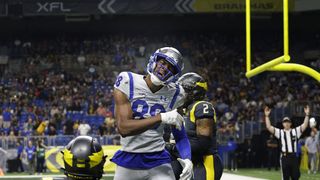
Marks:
<point>31,153</point>
<point>40,156</point>
<point>6,118</point>
<point>84,128</point>
<point>1,118</point>
<point>68,128</point>
<point>54,110</point>
<point>272,148</point>
<point>12,139</point>
<point>28,127</point>
<point>142,50</point>
<point>36,125</point>
<point>76,126</point>
<point>232,157</point>
<point>108,127</point>
<point>248,153</point>
<point>52,130</point>
<point>58,120</point>
<point>3,159</point>
<point>19,156</point>
<point>101,110</point>
<point>312,146</point>
<point>110,122</point>
<point>103,129</point>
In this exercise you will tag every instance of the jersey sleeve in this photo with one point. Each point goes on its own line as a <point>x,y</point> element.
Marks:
<point>204,110</point>
<point>122,83</point>
<point>299,132</point>
<point>180,98</point>
<point>277,133</point>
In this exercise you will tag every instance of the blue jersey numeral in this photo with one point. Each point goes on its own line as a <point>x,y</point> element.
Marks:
<point>140,108</point>
<point>156,109</point>
<point>118,81</point>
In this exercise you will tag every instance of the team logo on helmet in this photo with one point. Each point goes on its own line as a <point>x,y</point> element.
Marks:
<point>83,158</point>
<point>194,85</point>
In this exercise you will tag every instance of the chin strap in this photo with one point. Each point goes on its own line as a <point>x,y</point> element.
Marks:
<point>155,80</point>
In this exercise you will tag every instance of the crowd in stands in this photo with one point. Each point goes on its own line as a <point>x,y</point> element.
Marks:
<point>52,97</point>
<point>29,100</point>
<point>53,101</point>
<point>46,98</point>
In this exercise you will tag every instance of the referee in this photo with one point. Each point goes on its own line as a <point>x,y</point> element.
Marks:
<point>288,138</point>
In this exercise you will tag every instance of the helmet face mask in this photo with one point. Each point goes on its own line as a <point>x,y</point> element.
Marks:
<point>166,64</point>
<point>164,70</point>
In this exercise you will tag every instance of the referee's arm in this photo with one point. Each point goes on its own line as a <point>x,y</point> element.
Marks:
<point>305,123</point>
<point>267,111</point>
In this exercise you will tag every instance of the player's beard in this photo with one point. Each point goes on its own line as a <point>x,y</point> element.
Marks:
<point>155,80</point>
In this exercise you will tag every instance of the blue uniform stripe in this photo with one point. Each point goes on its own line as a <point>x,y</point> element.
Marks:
<point>141,160</point>
<point>174,99</point>
<point>131,85</point>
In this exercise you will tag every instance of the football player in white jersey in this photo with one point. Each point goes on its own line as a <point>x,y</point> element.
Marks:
<point>143,105</point>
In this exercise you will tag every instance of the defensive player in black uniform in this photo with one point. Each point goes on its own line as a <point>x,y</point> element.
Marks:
<point>200,125</point>
<point>83,158</point>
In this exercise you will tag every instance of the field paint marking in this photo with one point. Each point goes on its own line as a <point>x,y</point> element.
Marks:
<point>228,176</point>
<point>42,176</point>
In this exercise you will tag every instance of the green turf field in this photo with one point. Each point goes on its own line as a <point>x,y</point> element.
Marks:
<point>272,175</point>
<point>259,173</point>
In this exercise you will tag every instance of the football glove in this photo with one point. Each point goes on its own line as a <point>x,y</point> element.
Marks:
<point>187,171</point>
<point>172,118</point>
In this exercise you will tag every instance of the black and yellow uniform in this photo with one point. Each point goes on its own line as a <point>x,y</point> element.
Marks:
<point>207,165</point>
<point>206,162</point>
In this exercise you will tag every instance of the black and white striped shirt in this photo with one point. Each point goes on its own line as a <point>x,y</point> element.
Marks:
<point>288,138</point>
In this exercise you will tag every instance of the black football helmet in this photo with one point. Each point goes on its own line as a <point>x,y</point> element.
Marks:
<point>83,159</point>
<point>195,87</point>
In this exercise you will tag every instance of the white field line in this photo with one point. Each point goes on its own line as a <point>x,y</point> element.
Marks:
<point>227,176</point>
<point>41,176</point>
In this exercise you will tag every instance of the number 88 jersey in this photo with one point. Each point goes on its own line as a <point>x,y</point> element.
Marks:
<point>144,104</point>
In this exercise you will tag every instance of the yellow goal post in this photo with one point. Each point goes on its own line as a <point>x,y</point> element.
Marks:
<point>279,63</point>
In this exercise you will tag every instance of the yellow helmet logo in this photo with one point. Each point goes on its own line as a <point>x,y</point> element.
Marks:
<point>204,85</point>
<point>95,159</point>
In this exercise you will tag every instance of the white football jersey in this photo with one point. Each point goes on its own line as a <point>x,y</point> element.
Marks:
<point>145,104</point>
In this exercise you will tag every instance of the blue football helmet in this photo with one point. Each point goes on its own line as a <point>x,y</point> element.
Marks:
<point>171,55</point>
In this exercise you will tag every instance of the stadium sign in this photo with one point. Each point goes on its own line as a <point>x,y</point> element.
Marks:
<point>202,6</point>
<point>94,7</point>
<point>49,7</point>
<point>62,7</point>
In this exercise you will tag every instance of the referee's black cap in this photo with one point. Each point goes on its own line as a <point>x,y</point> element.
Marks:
<point>286,119</point>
